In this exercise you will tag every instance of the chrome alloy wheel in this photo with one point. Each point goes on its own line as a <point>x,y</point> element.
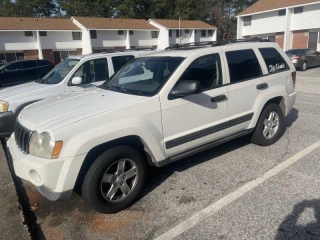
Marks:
<point>271,125</point>
<point>119,180</point>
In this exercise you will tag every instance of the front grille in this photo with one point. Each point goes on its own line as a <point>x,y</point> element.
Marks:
<point>22,136</point>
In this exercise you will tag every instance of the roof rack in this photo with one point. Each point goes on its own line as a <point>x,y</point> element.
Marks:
<point>195,45</point>
<point>125,50</point>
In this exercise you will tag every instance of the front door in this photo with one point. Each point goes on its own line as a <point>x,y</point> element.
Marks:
<point>201,118</point>
<point>92,73</point>
<point>313,40</point>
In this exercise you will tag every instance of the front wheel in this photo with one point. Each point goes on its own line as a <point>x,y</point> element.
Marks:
<point>269,127</point>
<point>114,180</point>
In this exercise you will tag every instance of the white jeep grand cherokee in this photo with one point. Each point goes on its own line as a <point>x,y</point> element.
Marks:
<point>157,109</point>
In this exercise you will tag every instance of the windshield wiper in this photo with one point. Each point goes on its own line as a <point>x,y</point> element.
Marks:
<point>118,87</point>
<point>40,80</point>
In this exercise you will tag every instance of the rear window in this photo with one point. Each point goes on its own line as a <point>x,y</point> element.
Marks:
<point>243,65</point>
<point>273,59</point>
<point>295,51</point>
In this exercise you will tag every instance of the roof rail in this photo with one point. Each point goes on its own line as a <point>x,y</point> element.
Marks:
<point>214,43</point>
<point>126,50</point>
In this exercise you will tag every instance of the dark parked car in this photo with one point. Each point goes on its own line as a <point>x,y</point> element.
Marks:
<point>303,58</point>
<point>18,72</point>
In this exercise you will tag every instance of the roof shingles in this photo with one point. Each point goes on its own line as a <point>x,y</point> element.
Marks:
<point>184,23</point>
<point>23,23</point>
<point>265,5</point>
<point>114,23</point>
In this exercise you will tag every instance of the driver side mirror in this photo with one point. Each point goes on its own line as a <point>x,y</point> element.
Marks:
<point>76,80</point>
<point>186,88</point>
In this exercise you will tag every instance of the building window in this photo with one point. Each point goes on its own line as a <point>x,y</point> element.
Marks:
<point>247,21</point>
<point>187,31</point>
<point>210,32</point>
<point>298,10</point>
<point>272,38</point>
<point>10,57</point>
<point>130,32</point>
<point>154,34</point>
<point>76,35</point>
<point>177,33</point>
<point>28,33</point>
<point>120,32</point>
<point>42,33</point>
<point>282,12</point>
<point>93,34</point>
<point>58,56</point>
<point>203,33</point>
<point>170,33</point>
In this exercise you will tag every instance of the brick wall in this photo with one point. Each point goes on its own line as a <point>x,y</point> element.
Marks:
<point>79,51</point>
<point>280,39</point>
<point>47,54</point>
<point>300,39</point>
<point>31,54</point>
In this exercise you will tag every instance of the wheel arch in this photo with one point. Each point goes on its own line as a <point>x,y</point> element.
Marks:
<point>132,140</point>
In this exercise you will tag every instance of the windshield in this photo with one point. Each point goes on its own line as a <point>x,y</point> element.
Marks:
<point>295,51</point>
<point>144,76</point>
<point>57,74</point>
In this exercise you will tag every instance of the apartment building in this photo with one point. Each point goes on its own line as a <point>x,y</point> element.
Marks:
<point>173,32</point>
<point>56,39</point>
<point>292,24</point>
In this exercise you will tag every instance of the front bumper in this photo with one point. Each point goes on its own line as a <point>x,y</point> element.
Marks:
<point>7,123</point>
<point>53,178</point>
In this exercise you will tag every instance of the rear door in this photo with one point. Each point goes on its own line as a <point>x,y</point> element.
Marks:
<point>247,81</point>
<point>29,71</point>
<point>312,56</point>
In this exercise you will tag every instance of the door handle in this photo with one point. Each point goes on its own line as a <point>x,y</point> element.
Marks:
<point>219,98</point>
<point>262,86</point>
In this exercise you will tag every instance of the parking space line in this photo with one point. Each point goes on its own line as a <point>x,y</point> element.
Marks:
<point>218,205</point>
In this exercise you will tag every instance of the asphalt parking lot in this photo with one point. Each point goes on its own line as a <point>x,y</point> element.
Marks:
<point>234,191</point>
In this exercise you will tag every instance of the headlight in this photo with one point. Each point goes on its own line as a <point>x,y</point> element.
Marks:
<point>43,145</point>
<point>4,106</point>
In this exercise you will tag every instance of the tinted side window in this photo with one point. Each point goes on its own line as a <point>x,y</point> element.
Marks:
<point>243,65</point>
<point>119,61</point>
<point>274,60</point>
<point>43,63</point>
<point>29,64</point>
<point>206,70</point>
<point>14,66</point>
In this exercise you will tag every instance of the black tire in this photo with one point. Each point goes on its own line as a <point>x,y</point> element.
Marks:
<point>91,187</point>
<point>257,136</point>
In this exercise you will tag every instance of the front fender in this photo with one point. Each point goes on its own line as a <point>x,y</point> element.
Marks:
<point>83,139</point>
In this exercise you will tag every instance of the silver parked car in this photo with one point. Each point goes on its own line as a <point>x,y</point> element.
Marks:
<point>303,58</point>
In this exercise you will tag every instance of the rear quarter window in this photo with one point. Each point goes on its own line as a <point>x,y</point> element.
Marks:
<point>273,59</point>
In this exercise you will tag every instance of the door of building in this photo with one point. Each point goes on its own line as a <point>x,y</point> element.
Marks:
<point>313,40</point>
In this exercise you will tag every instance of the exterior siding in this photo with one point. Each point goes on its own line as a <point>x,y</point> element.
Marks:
<point>259,25</point>
<point>109,38</point>
<point>59,40</point>
<point>143,39</point>
<point>309,19</point>
<point>14,41</point>
<point>300,39</point>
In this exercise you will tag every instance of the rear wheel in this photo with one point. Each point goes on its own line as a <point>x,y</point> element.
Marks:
<point>114,180</point>
<point>304,66</point>
<point>269,127</point>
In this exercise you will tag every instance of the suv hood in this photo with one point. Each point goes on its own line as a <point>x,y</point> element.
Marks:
<point>24,90</point>
<point>54,113</point>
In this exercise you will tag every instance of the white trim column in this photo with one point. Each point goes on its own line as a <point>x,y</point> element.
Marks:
<point>39,45</point>
<point>128,46</point>
<point>288,35</point>
<point>193,36</point>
